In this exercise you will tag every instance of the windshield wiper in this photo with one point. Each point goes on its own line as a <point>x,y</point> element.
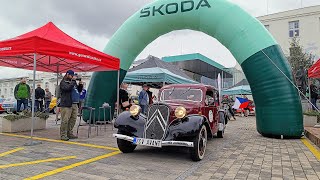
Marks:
<point>172,91</point>
<point>185,91</point>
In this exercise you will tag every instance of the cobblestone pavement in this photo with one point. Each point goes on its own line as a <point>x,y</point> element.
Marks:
<point>242,154</point>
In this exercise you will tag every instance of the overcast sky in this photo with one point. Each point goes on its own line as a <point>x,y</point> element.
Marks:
<point>93,23</point>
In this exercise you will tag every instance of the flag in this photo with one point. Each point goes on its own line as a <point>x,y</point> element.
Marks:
<point>240,103</point>
<point>219,87</point>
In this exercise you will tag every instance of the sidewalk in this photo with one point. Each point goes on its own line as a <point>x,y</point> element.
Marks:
<point>313,134</point>
<point>241,154</point>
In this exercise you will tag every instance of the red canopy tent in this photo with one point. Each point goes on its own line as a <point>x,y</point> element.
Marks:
<point>56,52</point>
<point>49,49</point>
<point>314,71</point>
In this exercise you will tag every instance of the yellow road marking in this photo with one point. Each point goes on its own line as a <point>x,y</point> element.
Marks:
<point>36,162</point>
<point>314,150</point>
<point>65,142</point>
<point>10,152</point>
<point>59,170</point>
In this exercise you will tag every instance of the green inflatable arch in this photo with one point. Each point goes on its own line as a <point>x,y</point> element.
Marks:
<point>278,107</point>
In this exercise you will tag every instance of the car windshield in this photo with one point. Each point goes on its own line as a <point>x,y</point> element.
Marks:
<point>181,94</point>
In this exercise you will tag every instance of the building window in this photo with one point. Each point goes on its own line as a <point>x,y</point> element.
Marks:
<point>294,29</point>
<point>47,85</point>
<point>11,91</point>
<point>5,91</point>
<point>267,27</point>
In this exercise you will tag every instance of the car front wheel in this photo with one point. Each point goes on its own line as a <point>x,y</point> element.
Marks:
<point>125,146</point>
<point>199,145</point>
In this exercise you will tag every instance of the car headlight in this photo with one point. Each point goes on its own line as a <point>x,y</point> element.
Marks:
<point>135,110</point>
<point>180,112</point>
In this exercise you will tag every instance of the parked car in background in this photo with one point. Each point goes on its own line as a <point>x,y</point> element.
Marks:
<point>248,111</point>
<point>185,116</point>
<point>10,104</point>
<point>1,108</point>
<point>53,106</point>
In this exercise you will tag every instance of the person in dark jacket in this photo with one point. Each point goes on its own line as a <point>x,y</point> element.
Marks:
<point>124,97</point>
<point>39,93</point>
<point>150,95</point>
<point>314,96</point>
<point>69,99</point>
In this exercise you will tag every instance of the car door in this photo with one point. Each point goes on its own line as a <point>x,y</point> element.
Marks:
<point>211,110</point>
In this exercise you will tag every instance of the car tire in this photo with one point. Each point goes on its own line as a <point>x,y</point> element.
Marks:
<point>222,119</point>
<point>220,134</point>
<point>199,145</point>
<point>125,146</point>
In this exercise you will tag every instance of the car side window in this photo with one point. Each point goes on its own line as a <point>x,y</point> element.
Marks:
<point>209,101</point>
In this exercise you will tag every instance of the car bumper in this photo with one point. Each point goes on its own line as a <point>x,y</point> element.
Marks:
<point>163,143</point>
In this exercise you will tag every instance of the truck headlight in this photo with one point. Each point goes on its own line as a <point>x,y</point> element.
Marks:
<point>135,110</point>
<point>180,112</point>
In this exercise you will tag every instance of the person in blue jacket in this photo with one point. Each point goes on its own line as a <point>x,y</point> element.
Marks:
<point>144,99</point>
<point>83,94</point>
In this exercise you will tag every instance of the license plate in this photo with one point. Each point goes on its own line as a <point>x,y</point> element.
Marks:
<point>147,142</point>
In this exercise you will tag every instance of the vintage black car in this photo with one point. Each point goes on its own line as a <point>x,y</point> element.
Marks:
<point>185,116</point>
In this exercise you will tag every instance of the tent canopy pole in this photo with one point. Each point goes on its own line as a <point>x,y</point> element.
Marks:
<point>118,86</point>
<point>32,143</point>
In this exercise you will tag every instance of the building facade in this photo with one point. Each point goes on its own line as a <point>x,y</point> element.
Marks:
<point>46,80</point>
<point>303,23</point>
<point>202,69</point>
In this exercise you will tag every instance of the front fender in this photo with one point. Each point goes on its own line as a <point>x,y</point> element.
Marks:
<point>188,127</point>
<point>129,125</point>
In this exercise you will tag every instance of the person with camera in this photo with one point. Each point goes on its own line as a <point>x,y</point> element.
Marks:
<point>69,100</point>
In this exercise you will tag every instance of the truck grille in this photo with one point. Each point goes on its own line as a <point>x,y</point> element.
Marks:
<point>158,116</point>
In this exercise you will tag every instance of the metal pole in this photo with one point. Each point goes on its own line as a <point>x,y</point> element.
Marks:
<point>31,143</point>
<point>57,113</point>
<point>267,7</point>
<point>309,87</point>
<point>222,86</point>
<point>118,86</point>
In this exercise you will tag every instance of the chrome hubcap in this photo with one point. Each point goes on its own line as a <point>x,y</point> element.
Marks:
<point>202,142</point>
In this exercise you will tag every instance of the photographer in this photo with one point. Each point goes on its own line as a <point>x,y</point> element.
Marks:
<point>68,105</point>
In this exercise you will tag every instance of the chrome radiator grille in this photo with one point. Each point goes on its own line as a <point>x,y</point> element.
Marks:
<point>158,117</point>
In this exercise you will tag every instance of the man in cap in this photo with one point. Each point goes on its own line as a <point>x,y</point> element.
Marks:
<point>69,99</point>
